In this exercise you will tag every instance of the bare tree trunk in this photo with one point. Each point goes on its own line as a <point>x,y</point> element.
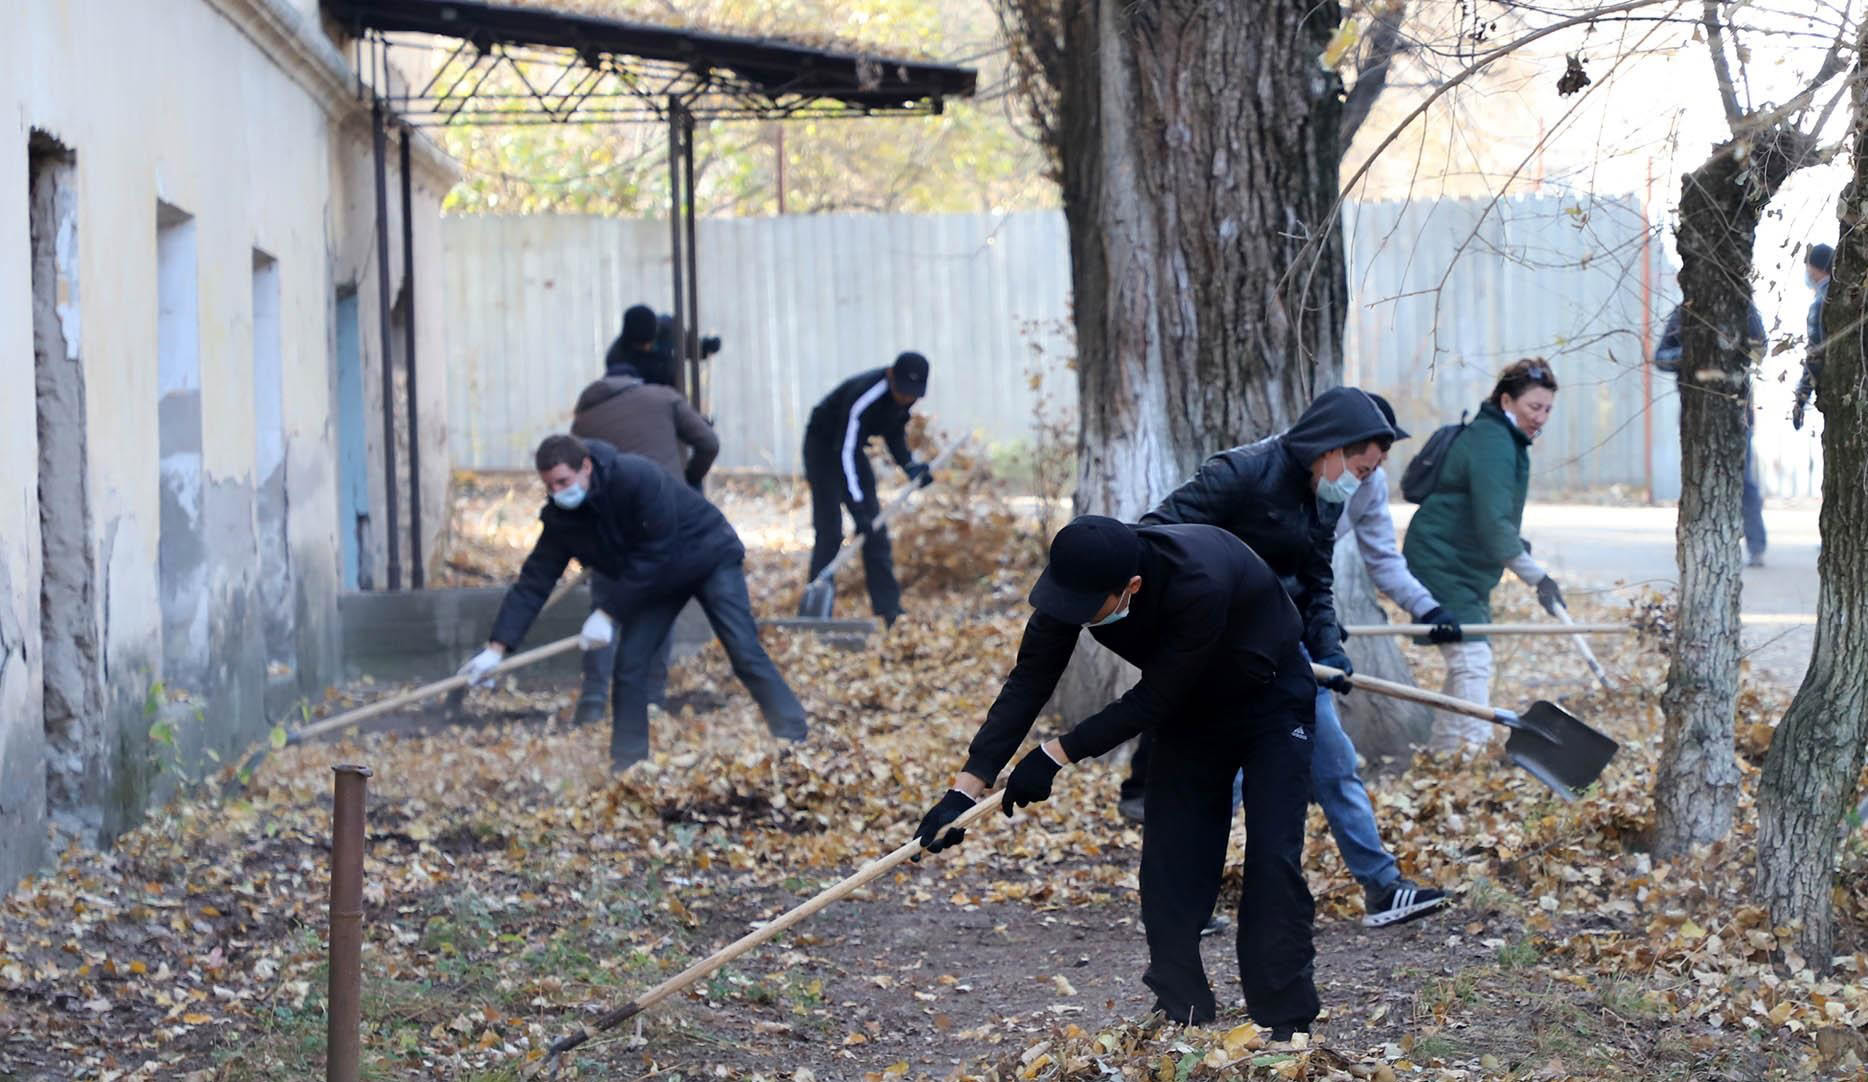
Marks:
<point>1197,147</point>
<point>1815,761</point>
<point>1696,788</point>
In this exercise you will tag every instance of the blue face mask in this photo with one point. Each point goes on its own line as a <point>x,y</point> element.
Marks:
<point>1339,490</point>
<point>570,497</point>
<point>1121,611</point>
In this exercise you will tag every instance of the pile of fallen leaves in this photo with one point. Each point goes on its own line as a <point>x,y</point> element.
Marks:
<point>514,886</point>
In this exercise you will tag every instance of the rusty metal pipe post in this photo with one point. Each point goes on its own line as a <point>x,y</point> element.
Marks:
<point>345,1000</point>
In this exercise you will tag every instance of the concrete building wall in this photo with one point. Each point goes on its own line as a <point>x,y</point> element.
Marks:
<point>238,115</point>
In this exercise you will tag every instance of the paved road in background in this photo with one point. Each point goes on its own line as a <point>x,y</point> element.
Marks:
<point>1626,549</point>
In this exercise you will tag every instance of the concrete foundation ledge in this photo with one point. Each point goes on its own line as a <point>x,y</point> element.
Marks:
<point>422,635</point>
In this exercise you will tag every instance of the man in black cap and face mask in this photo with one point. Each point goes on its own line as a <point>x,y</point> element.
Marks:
<point>875,403</point>
<point>1225,687</point>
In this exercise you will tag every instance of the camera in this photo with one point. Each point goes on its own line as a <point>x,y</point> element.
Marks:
<point>665,339</point>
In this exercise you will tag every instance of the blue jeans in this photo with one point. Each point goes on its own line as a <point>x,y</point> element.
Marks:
<point>1338,790</point>
<point>1754,504</point>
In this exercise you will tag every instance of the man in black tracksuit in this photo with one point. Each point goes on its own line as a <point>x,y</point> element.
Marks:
<point>1282,496</point>
<point>652,543</point>
<point>1225,686</point>
<point>875,403</point>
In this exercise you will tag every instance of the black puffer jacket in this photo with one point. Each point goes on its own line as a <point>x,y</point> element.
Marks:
<point>1261,493</point>
<point>646,533</point>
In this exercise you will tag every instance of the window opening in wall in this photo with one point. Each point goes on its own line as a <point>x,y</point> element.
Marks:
<point>70,651</point>
<point>181,555</point>
<point>277,601</point>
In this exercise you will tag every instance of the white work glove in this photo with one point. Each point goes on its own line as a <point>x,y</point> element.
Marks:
<point>479,668</point>
<point>598,631</point>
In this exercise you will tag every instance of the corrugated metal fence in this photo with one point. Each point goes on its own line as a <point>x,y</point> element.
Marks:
<point>1443,294</point>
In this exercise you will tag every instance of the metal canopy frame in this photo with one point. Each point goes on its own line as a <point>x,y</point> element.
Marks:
<point>581,69</point>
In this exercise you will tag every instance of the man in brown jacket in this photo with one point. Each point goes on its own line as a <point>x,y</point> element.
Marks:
<point>657,423</point>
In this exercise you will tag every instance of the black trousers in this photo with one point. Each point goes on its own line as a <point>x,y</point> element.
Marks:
<point>1188,814</point>
<point>830,493</point>
<point>600,665</point>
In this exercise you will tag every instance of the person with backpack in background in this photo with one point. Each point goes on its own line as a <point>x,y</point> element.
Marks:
<point>1470,480</point>
<point>1667,358</point>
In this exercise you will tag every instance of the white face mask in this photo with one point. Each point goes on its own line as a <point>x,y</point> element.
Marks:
<point>570,497</point>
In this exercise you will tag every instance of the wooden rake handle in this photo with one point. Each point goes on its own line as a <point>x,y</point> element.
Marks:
<point>1421,630</point>
<point>780,924</point>
<point>427,691</point>
<point>1419,695</point>
<point>895,507</point>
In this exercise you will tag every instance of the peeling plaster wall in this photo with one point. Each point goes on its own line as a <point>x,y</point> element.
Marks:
<point>199,105</point>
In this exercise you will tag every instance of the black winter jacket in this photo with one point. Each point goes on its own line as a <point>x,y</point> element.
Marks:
<point>1261,494</point>
<point>646,533</point>
<point>860,408</point>
<point>1210,628</point>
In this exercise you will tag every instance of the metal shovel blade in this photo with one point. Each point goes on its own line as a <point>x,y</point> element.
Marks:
<point>818,600</point>
<point>1559,749</point>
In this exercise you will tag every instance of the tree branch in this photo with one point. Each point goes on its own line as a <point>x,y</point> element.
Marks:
<point>1722,67</point>
<point>1385,43</point>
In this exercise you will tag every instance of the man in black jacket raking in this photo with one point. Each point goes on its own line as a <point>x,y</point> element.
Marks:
<point>1225,687</point>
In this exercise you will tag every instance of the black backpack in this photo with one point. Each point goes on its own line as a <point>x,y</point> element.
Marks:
<point>1422,475</point>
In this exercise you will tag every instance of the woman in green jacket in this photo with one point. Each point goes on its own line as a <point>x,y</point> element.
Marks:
<point>1466,533</point>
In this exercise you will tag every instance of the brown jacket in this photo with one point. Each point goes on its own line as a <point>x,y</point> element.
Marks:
<point>649,420</point>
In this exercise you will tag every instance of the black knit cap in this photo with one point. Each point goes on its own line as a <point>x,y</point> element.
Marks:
<point>1388,411</point>
<point>639,325</point>
<point>1091,558</point>
<point>1822,257</point>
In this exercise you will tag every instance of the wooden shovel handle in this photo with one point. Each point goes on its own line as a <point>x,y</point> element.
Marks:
<point>1419,695</point>
<point>428,691</point>
<point>1421,630</point>
<point>780,924</point>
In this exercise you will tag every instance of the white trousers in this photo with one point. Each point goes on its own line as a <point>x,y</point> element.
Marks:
<point>1469,677</point>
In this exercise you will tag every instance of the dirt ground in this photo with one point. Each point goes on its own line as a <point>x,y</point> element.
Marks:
<point>515,889</point>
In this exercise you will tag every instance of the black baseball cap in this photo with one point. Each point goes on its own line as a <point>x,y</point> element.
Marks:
<point>1091,558</point>
<point>910,372</point>
<point>1388,411</point>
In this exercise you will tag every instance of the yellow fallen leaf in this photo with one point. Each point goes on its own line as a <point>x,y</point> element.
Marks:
<point>855,1038</point>
<point>196,1018</point>
<point>1345,38</point>
<point>1241,1038</point>
<point>1691,930</point>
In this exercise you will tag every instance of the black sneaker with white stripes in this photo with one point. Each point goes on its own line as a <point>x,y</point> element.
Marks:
<point>1400,902</point>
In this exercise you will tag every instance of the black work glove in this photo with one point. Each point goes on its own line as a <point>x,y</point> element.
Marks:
<point>865,517</point>
<point>1549,596</point>
<point>1796,412</point>
<point>1445,628</point>
<point>951,807</point>
<point>920,473</point>
<point>1338,660</point>
<point>1030,782</point>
